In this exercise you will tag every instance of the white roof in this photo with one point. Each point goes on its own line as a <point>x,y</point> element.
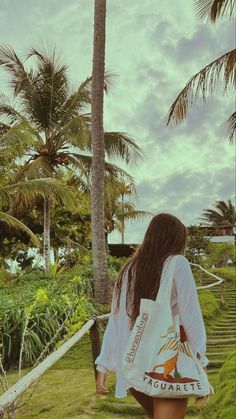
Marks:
<point>221,239</point>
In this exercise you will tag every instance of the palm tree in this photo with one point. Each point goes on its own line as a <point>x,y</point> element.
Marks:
<point>222,217</point>
<point>117,209</point>
<point>207,79</point>
<point>23,194</point>
<point>101,278</point>
<point>50,126</point>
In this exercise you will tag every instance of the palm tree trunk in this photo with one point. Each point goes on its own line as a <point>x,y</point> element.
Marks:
<point>46,235</point>
<point>122,221</point>
<point>101,279</point>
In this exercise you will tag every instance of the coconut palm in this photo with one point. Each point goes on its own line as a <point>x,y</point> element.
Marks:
<point>49,125</point>
<point>204,83</point>
<point>222,217</point>
<point>117,209</point>
<point>24,194</point>
<point>102,284</point>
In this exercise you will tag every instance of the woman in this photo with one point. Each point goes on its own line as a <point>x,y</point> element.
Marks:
<point>140,278</point>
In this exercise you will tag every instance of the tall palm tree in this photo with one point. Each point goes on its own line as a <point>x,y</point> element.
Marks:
<point>207,79</point>
<point>50,126</point>
<point>102,283</point>
<point>222,217</point>
<point>127,190</point>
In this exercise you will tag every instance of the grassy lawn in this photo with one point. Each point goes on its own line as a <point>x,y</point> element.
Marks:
<point>67,390</point>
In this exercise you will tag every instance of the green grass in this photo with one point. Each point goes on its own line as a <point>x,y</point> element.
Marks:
<point>67,390</point>
<point>223,403</point>
<point>227,273</point>
<point>211,308</point>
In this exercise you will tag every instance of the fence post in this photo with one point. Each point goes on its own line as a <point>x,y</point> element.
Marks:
<point>222,292</point>
<point>95,343</point>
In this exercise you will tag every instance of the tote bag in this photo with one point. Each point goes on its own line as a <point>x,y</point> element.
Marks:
<point>159,360</point>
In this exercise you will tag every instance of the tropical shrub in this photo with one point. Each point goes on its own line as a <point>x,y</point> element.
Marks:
<point>36,316</point>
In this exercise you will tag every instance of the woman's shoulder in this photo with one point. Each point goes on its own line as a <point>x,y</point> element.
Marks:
<point>182,264</point>
<point>182,260</point>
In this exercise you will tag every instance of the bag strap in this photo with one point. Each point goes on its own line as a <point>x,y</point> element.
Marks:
<point>166,282</point>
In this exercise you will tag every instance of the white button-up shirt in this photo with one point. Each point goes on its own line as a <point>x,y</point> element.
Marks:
<point>184,301</point>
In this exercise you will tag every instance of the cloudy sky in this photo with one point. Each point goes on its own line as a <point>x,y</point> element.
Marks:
<point>153,47</point>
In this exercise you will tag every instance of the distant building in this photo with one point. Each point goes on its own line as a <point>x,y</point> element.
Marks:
<point>126,250</point>
<point>221,239</point>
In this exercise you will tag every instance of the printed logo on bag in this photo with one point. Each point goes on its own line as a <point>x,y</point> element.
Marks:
<point>140,328</point>
<point>168,377</point>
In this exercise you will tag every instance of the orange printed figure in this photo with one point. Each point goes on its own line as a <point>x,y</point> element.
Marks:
<point>168,366</point>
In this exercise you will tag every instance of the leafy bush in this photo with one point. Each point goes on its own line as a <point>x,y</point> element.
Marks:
<point>36,315</point>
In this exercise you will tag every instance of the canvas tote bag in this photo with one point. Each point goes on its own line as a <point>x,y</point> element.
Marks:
<point>159,360</point>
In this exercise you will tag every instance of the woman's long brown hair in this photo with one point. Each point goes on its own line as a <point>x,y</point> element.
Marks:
<point>165,236</point>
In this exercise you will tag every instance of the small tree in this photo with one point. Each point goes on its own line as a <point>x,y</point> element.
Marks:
<point>197,245</point>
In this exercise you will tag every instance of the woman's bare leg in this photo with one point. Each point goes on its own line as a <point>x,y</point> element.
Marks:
<point>145,401</point>
<point>169,408</point>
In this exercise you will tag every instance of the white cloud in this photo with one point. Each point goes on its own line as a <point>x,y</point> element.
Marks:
<point>154,49</point>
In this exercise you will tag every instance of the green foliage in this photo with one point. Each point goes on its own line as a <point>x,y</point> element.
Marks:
<point>222,404</point>
<point>220,253</point>
<point>209,305</point>
<point>197,245</point>
<point>227,273</point>
<point>222,218</point>
<point>46,310</point>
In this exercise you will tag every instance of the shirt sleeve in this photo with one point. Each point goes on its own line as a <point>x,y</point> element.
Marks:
<point>189,309</point>
<point>106,361</point>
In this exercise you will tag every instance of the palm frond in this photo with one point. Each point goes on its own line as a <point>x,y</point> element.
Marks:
<point>77,101</point>
<point>25,193</point>
<point>80,162</point>
<point>15,67</point>
<point>77,132</point>
<point>18,139</point>
<point>117,172</point>
<point>213,9</point>
<point>80,99</point>
<point>127,189</point>
<point>231,127</point>
<point>203,84</point>
<point>7,111</point>
<point>78,182</point>
<point>223,215</point>
<point>121,145</point>
<point>136,214</point>
<point>38,168</point>
<point>16,224</point>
